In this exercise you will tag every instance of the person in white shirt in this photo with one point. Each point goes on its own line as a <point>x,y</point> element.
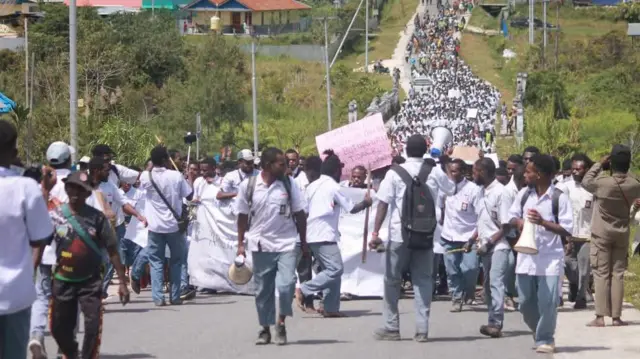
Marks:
<point>132,196</point>
<point>515,167</point>
<point>324,201</point>
<point>59,158</point>
<point>494,249</point>
<point>231,181</point>
<point>27,229</point>
<point>117,173</point>
<point>399,256</point>
<point>577,263</point>
<point>99,171</point>
<point>271,215</point>
<point>458,233</point>
<point>538,276</point>
<point>164,191</point>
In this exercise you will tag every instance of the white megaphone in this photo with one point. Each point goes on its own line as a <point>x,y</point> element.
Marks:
<point>441,137</point>
<point>527,241</point>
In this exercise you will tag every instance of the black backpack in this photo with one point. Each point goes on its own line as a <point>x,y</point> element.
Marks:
<point>555,205</point>
<point>418,213</point>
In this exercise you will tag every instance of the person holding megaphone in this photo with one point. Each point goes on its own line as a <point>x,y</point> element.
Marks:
<point>544,215</point>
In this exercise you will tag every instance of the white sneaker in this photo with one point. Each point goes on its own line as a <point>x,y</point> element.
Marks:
<point>546,349</point>
<point>37,349</point>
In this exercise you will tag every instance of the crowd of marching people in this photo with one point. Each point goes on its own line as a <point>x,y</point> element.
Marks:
<point>453,97</point>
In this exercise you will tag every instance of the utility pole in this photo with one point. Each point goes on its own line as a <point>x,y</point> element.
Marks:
<point>26,59</point>
<point>30,116</point>
<point>198,134</point>
<point>366,37</point>
<point>254,95</point>
<point>557,33</point>
<point>73,78</point>
<point>531,17</point>
<point>544,32</point>
<point>153,8</point>
<point>326,62</point>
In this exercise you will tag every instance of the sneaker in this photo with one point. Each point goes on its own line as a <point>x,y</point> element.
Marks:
<point>36,347</point>
<point>177,302</point>
<point>491,331</point>
<point>421,337</point>
<point>456,306</point>
<point>580,304</point>
<point>135,286</point>
<point>264,337</point>
<point>281,334</point>
<point>546,349</point>
<point>161,303</point>
<point>188,293</point>
<point>386,335</point>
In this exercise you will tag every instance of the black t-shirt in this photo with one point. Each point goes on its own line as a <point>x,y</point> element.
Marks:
<point>78,261</point>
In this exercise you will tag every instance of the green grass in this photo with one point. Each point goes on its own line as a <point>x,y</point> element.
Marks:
<point>632,282</point>
<point>395,16</point>
<point>483,19</point>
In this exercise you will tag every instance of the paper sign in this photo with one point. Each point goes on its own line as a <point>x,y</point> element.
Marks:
<point>468,154</point>
<point>362,143</point>
<point>472,113</point>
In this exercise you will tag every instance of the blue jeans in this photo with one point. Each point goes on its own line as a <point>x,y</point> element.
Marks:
<point>156,249</point>
<point>40,308</point>
<point>14,334</point>
<point>329,279</point>
<point>184,272</point>
<point>398,258</point>
<point>496,266</point>
<point>137,268</point>
<point>130,250</point>
<point>539,300</point>
<point>462,271</point>
<point>273,270</point>
<point>510,277</point>
<point>120,231</point>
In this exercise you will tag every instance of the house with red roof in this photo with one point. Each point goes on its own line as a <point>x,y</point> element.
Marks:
<point>263,16</point>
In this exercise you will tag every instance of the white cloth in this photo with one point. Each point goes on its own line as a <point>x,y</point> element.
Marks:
<point>24,219</point>
<point>550,257</point>
<point>174,188</point>
<point>272,228</point>
<point>460,218</point>
<point>302,180</point>
<point>488,207</point>
<point>582,204</point>
<point>58,192</point>
<point>324,202</point>
<point>392,188</point>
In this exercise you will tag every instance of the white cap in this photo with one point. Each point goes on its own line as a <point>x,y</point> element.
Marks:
<point>59,152</point>
<point>84,159</point>
<point>246,155</point>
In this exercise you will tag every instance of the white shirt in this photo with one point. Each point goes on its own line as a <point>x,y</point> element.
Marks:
<point>550,257</point>
<point>58,192</point>
<point>24,219</point>
<point>133,196</point>
<point>324,200</point>
<point>272,228</point>
<point>582,205</point>
<point>302,180</point>
<point>198,187</point>
<point>114,197</point>
<point>231,181</point>
<point>488,207</point>
<point>126,175</point>
<point>174,188</point>
<point>392,187</point>
<point>460,218</point>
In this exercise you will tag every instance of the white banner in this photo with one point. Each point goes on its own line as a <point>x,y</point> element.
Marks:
<point>214,244</point>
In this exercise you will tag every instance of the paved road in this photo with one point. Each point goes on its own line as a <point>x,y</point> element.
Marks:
<point>225,326</point>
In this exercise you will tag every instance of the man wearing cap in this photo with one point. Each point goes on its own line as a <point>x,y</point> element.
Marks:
<point>616,195</point>
<point>59,158</point>
<point>117,173</point>
<point>81,234</point>
<point>231,181</point>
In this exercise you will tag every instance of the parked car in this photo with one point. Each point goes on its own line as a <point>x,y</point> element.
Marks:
<point>523,23</point>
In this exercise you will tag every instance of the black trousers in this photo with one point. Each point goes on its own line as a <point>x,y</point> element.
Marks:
<point>64,315</point>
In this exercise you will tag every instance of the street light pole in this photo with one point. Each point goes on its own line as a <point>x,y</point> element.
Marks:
<point>366,38</point>
<point>326,62</point>
<point>254,95</point>
<point>73,78</point>
<point>531,16</point>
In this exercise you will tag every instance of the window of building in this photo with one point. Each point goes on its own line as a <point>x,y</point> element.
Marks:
<point>248,18</point>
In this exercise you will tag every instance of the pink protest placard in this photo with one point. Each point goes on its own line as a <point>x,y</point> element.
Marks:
<point>361,143</point>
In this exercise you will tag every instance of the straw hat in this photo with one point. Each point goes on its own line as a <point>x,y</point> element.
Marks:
<point>239,271</point>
